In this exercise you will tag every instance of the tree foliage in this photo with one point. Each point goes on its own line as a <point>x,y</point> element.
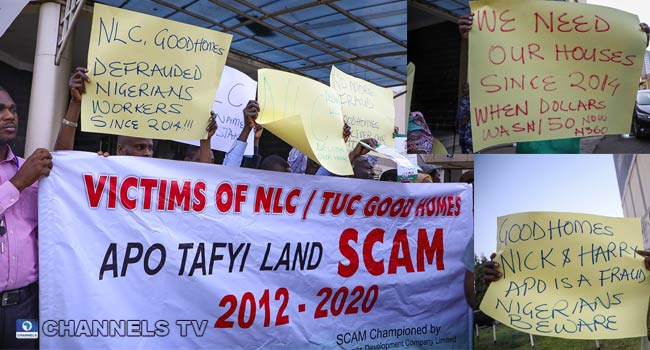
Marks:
<point>480,287</point>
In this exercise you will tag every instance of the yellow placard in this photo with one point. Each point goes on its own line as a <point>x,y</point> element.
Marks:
<point>570,275</point>
<point>542,70</point>
<point>305,114</point>
<point>367,108</point>
<point>151,77</point>
<point>438,147</point>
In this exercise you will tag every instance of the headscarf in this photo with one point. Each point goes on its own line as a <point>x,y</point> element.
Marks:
<point>419,138</point>
<point>423,177</point>
<point>297,161</point>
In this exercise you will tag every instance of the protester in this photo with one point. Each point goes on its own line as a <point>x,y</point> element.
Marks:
<point>389,175</point>
<point>192,154</point>
<point>18,229</point>
<point>468,262</point>
<point>467,177</point>
<point>646,257</point>
<point>235,155</point>
<point>312,167</point>
<point>419,138</point>
<point>126,145</point>
<point>468,255</point>
<point>77,86</point>
<point>275,163</point>
<point>423,178</point>
<point>362,168</point>
<point>205,149</point>
<point>297,161</point>
<point>463,122</point>
<point>134,146</point>
<point>254,161</point>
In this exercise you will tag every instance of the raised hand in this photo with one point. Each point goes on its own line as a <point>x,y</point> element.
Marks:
<point>465,24</point>
<point>212,125</point>
<point>492,273</point>
<point>251,111</point>
<point>77,83</point>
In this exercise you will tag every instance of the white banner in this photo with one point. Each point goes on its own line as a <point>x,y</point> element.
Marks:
<point>234,91</point>
<point>207,256</point>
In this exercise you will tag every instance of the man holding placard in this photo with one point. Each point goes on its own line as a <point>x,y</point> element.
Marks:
<point>579,273</point>
<point>150,77</point>
<point>126,145</point>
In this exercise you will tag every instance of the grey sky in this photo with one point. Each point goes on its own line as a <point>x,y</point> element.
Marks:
<point>640,8</point>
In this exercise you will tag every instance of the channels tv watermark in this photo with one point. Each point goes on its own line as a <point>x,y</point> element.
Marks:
<point>26,329</point>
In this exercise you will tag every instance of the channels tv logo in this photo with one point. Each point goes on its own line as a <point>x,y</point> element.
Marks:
<point>26,329</point>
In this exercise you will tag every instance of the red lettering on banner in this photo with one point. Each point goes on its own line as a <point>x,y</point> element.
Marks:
<point>377,206</point>
<point>148,184</point>
<point>94,191</point>
<point>349,234</point>
<point>400,242</point>
<point>112,194</point>
<point>128,183</point>
<point>199,197</point>
<point>263,199</point>
<point>374,267</point>
<point>429,250</point>
<point>439,206</point>
<point>339,203</point>
<point>400,255</point>
<point>178,196</point>
<point>226,197</point>
<point>270,200</point>
<point>162,195</point>
<point>133,192</point>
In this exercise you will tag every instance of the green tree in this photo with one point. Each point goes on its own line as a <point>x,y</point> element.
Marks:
<point>480,287</point>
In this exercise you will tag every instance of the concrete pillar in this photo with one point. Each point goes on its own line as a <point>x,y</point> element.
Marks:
<point>49,97</point>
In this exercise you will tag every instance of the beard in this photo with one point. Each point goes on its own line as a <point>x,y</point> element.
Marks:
<point>5,140</point>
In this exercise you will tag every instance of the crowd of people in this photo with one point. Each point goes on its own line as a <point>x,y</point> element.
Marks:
<point>363,165</point>
<point>19,188</point>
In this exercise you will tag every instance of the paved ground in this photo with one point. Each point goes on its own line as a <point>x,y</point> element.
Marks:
<point>610,144</point>
<point>623,144</point>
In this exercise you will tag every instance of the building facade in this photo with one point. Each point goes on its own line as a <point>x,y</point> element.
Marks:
<point>634,188</point>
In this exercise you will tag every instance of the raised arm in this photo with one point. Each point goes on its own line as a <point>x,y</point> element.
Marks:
<point>491,270</point>
<point>646,29</point>
<point>205,151</point>
<point>465,24</point>
<point>359,150</point>
<point>77,85</point>
<point>236,154</point>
